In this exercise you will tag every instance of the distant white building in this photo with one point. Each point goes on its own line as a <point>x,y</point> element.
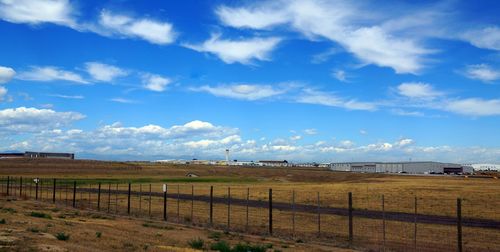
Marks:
<point>427,167</point>
<point>486,167</point>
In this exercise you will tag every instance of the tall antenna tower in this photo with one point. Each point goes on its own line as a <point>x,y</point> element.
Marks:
<point>227,156</point>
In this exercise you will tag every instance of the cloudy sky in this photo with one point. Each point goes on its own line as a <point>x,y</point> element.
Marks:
<point>302,80</point>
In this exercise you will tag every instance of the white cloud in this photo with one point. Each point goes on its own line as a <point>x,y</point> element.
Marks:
<point>74,97</point>
<point>50,73</point>
<point>122,100</point>
<point>6,74</point>
<point>37,11</point>
<point>418,90</point>
<point>296,138</point>
<point>153,31</point>
<point>3,93</point>
<point>104,72</point>
<point>338,21</point>
<point>482,72</point>
<point>155,82</point>
<point>404,142</point>
<point>363,132</point>
<point>311,131</point>
<point>402,112</point>
<point>23,120</point>
<point>339,75</point>
<point>487,38</point>
<point>321,98</point>
<point>474,107</point>
<point>243,51</point>
<point>249,92</point>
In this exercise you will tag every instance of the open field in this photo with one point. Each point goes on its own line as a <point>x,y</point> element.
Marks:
<point>435,196</point>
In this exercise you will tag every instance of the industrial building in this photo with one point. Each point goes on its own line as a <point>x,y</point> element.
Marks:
<point>29,154</point>
<point>427,167</point>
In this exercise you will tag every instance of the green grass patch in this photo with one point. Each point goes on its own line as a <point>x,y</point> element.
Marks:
<point>62,236</point>
<point>221,246</point>
<point>196,243</point>
<point>154,225</point>
<point>40,215</point>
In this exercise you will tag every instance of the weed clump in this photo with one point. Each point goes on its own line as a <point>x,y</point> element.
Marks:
<point>98,234</point>
<point>40,215</point>
<point>62,236</point>
<point>221,246</point>
<point>2,221</point>
<point>196,243</point>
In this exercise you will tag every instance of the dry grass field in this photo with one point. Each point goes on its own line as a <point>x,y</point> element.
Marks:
<point>435,195</point>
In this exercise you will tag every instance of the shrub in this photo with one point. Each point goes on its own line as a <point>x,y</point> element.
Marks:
<point>33,229</point>
<point>196,243</point>
<point>248,248</point>
<point>2,221</point>
<point>215,235</point>
<point>98,234</point>
<point>62,236</point>
<point>40,215</point>
<point>221,246</point>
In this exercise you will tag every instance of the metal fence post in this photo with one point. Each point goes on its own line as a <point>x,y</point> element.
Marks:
<point>109,196</point>
<point>350,219</point>
<point>319,217</point>
<point>149,205</point>
<point>248,199</point>
<point>270,211</point>
<point>383,221</point>
<point>178,203</point>
<point>415,226</point>
<point>36,190</point>
<point>20,186</point>
<point>165,203</point>
<point>293,213</point>
<point>128,199</point>
<point>211,205</point>
<point>74,193</point>
<point>99,197</point>
<point>228,208</point>
<point>459,225</point>
<point>192,203</point>
<point>140,198</point>
<point>8,183</point>
<point>54,191</point>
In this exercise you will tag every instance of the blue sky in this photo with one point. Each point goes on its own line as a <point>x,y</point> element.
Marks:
<point>297,80</point>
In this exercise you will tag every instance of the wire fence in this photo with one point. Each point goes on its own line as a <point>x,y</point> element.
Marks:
<point>367,221</point>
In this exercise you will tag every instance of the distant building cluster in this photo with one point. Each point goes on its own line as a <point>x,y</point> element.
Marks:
<point>29,154</point>
<point>427,167</point>
<point>261,163</point>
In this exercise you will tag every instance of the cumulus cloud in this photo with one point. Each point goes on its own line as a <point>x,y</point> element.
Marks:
<point>155,82</point>
<point>418,90</point>
<point>37,11</point>
<point>243,51</point>
<point>311,131</point>
<point>487,38</point>
<point>50,73</point>
<point>22,119</point>
<point>482,72</point>
<point>321,98</point>
<point>474,107</point>
<point>3,93</point>
<point>104,72</point>
<point>153,31</point>
<point>249,92</point>
<point>6,74</point>
<point>337,21</point>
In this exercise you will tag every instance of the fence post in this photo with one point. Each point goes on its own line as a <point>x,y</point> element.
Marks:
<point>74,193</point>
<point>319,217</point>
<point>293,213</point>
<point>228,208</point>
<point>116,199</point>
<point>459,225</point>
<point>99,197</point>
<point>270,211</point>
<point>383,221</point>
<point>54,191</point>
<point>149,207</point>
<point>36,189</point>
<point>248,199</point>
<point>165,202</point>
<point>350,219</point>
<point>140,198</point>
<point>20,186</point>
<point>178,203</point>
<point>415,228</point>
<point>109,195</point>
<point>128,199</point>
<point>8,183</point>
<point>192,203</point>
<point>211,205</point>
